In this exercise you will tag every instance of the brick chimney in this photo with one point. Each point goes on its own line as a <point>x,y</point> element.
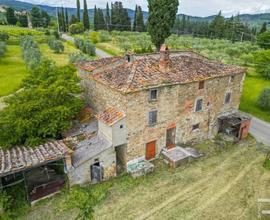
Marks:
<point>164,61</point>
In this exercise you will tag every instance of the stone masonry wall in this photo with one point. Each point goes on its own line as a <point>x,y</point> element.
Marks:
<point>175,107</point>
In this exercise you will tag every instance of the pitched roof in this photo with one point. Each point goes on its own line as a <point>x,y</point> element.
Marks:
<point>21,158</point>
<point>110,116</point>
<point>144,72</point>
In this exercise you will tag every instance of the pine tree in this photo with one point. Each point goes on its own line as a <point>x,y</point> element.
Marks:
<point>264,28</point>
<point>67,19</point>
<point>217,26</point>
<point>108,17</point>
<point>162,15</point>
<point>78,10</point>
<point>86,22</point>
<point>11,19</point>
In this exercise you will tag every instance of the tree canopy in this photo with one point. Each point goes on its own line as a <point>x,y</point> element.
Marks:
<point>162,15</point>
<point>43,109</point>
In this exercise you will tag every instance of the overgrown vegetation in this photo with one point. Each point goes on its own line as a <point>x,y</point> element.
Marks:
<point>264,100</point>
<point>56,45</point>
<point>43,109</point>
<point>85,46</point>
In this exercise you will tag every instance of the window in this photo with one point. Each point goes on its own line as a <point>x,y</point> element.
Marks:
<point>121,126</point>
<point>152,117</point>
<point>153,95</point>
<point>228,97</point>
<point>199,105</point>
<point>201,85</point>
<point>232,79</point>
<point>196,126</point>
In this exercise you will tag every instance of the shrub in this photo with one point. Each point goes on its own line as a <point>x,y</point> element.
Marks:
<point>3,49</point>
<point>90,49</point>
<point>78,43</point>
<point>56,35</point>
<point>78,57</point>
<point>262,63</point>
<point>264,100</point>
<point>104,36</point>
<point>94,37</point>
<point>4,36</point>
<point>76,28</point>
<point>56,45</point>
<point>263,40</point>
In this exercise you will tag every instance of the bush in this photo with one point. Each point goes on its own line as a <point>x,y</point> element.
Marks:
<point>85,46</point>
<point>263,40</point>
<point>78,43</point>
<point>104,36</point>
<point>262,63</point>
<point>31,52</point>
<point>4,36</point>
<point>56,45</point>
<point>264,100</point>
<point>56,35</point>
<point>78,57</point>
<point>3,49</point>
<point>94,37</point>
<point>76,28</point>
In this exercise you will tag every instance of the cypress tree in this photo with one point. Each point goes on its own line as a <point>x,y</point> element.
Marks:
<point>139,20</point>
<point>86,22</point>
<point>11,19</point>
<point>135,19</point>
<point>264,28</point>
<point>63,20</point>
<point>108,17</point>
<point>95,19</point>
<point>162,15</point>
<point>67,19</point>
<point>101,20</point>
<point>78,10</point>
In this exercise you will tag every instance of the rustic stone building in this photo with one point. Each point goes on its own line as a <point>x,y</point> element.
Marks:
<point>166,98</point>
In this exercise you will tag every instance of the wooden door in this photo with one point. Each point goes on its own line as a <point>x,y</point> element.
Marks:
<point>150,150</point>
<point>170,138</point>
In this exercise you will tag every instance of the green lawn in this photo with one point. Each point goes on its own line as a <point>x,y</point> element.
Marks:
<point>252,89</point>
<point>13,70</point>
<point>60,59</point>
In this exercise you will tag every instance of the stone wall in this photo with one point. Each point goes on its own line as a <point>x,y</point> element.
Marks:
<point>175,106</point>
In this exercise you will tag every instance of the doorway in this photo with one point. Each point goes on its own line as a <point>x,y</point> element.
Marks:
<point>170,138</point>
<point>150,150</point>
<point>96,173</point>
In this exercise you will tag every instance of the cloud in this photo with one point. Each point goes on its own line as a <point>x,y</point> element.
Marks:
<point>191,7</point>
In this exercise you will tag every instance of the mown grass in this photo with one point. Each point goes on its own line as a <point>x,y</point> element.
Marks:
<point>253,87</point>
<point>61,59</point>
<point>222,180</point>
<point>110,49</point>
<point>12,70</point>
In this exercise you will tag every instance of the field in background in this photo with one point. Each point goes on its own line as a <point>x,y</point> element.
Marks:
<point>13,70</point>
<point>225,184</point>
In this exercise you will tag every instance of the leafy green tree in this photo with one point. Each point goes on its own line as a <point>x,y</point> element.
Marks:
<point>36,17</point>
<point>11,18</point>
<point>119,18</point>
<point>162,15</point>
<point>23,20</point>
<point>78,57</point>
<point>73,20</point>
<point>45,19</point>
<point>139,20</point>
<point>217,26</point>
<point>76,28</point>
<point>262,63</point>
<point>263,40</point>
<point>86,22</point>
<point>264,100</point>
<point>135,18</point>
<point>78,11</point>
<point>264,28</point>
<point>43,109</point>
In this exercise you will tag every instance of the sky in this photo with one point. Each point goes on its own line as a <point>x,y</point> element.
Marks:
<point>189,7</point>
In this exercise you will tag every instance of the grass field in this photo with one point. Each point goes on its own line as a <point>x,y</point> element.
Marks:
<point>252,89</point>
<point>60,59</point>
<point>225,184</point>
<point>13,70</point>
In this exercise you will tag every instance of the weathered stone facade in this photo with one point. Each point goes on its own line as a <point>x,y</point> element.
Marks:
<point>175,105</point>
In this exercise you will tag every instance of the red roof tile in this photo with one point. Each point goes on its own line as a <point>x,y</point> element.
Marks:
<point>110,116</point>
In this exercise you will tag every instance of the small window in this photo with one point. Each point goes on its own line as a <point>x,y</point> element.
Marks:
<point>232,79</point>
<point>228,97</point>
<point>152,117</point>
<point>196,127</point>
<point>153,94</point>
<point>199,105</point>
<point>201,85</point>
<point>121,126</point>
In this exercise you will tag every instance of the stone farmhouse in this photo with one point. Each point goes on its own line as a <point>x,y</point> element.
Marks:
<point>145,103</point>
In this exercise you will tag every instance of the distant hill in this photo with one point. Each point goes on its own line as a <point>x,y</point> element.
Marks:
<point>256,19</point>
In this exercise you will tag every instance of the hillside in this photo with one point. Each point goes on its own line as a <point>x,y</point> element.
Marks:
<point>256,19</point>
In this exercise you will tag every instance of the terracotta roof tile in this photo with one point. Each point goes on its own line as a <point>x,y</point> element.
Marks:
<point>110,116</point>
<point>144,72</point>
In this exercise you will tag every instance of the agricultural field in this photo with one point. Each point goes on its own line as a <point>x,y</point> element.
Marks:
<point>13,70</point>
<point>19,31</point>
<point>61,59</point>
<point>224,184</point>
